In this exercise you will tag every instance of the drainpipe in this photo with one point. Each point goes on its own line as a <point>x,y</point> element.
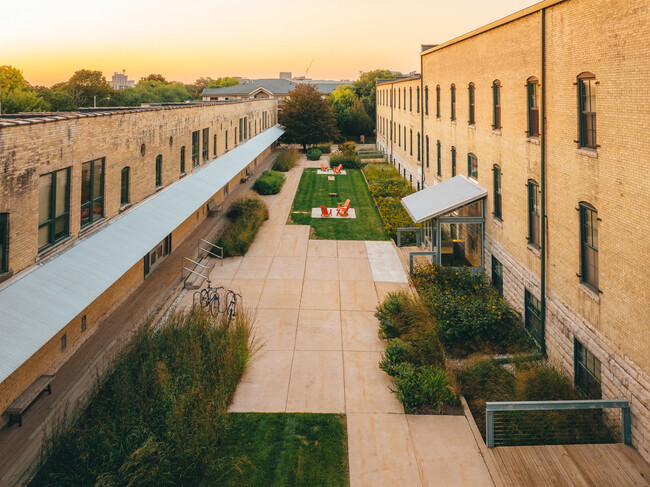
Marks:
<point>421,107</point>
<point>391,132</point>
<point>543,186</point>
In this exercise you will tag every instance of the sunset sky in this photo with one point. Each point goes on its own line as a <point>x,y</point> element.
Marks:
<point>50,40</point>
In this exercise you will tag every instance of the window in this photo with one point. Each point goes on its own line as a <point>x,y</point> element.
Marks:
<point>533,214</point>
<point>183,160</point>
<point>53,207</point>
<point>195,148</point>
<point>438,101</point>
<point>587,371</point>
<point>418,99</point>
<point>497,274</point>
<point>589,245</point>
<point>4,242</point>
<point>419,146</point>
<point>410,98</point>
<point>226,139</point>
<point>472,166</point>
<point>84,323</point>
<point>496,104</point>
<point>64,342</point>
<point>427,151</point>
<point>532,87</point>
<point>405,139</point>
<point>404,91</point>
<point>496,174</point>
<point>453,102</point>
<point>158,171</point>
<point>399,136</point>
<point>471,91</point>
<point>214,148</point>
<point>587,109</point>
<point>124,187</point>
<point>439,158</point>
<point>453,162</point>
<point>426,100</point>
<point>411,141</point>
<point>533,316</point>
<point>92,191</point>
<point>206,143</point>
<point>399,98</point>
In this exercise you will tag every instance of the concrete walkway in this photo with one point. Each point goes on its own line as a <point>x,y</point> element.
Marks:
<point>314,302</point>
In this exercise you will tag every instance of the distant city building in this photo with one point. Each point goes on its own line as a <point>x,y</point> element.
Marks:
<point>285,75</point>
<point>120,81</point>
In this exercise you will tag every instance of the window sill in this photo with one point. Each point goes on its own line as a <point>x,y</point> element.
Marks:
<point>52,249</point>
<point>497,221</point>
<point>533,140</point>
<point>586,151</point>
<point>472,126</point>
<point>534,249</point>
<point>158,188</point>
<point>92,226</point>
<point>6,275</point>
<point>438,119</point>
<point>183,174</point>
<point>124,207</point>
<point>589,291</point>
<point>496,131</point>
<point>453,122</point>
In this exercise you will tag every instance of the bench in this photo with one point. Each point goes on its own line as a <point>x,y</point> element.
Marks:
<point>214,208</point>
<point>245,178</point>
<point>28,397</point>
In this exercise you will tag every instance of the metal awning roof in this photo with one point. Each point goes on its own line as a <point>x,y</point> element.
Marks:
<point>442,198</point>
<point>39,304</point>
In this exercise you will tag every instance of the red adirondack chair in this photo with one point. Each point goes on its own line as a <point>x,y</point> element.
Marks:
<point>324,167</point>
<point>325,212</point>
<point>337,169</point>
<point>342,209</point>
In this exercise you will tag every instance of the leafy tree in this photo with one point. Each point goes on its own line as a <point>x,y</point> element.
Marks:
<point>207,82</point>
<point>307,117</point>
<point>57,97</point>
<point>350,113</point>
<point>365,88</point>
<point>16,95</point>
<point>360,121</point>
<point>85,85</point>
<point>154,77</point>
<point>151,91</point>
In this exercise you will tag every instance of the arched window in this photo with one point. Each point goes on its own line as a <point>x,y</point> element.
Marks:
<point>158,171</point>
<point>124,187</point>
<point>471,92</point>
<point>426,100</point>
<point>587,109</point>
<point>532,91</point>
<point>496,175</point>
<point>589,245</point>
<point>472,166</point>
<point>496,104</point>
<point>453,103</point>
<point>533,213</point>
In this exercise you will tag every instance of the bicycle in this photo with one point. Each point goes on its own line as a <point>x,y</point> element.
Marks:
<point>231,305</point>
<point>208,298</point>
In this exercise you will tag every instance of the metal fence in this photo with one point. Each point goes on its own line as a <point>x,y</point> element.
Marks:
<point>556,422</point>
<point>418,235</point>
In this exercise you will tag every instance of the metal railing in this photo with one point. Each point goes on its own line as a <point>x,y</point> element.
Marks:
<point>432,253</point>
<point>197,264</point>
<point>418,235</point>
<point>209,251</point>
<point>534,423</point>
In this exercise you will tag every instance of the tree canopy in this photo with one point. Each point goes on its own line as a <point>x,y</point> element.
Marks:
<point>307,117</point>
<point>349,111</point>
<point>16,95</point>
<point>84,85</point>
<point>365,89</point>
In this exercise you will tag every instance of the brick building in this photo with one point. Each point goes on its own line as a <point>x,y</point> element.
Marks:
<point>91,201</point>
<point>546,110</point>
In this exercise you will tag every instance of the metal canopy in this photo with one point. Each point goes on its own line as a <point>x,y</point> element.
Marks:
<point>442,198</point>
<point>42,302</point>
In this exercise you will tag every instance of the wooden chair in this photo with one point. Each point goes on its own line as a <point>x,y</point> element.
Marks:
<point>342,209</point>
<point>324,167</point>
<point>325,212</point>
<point>337,169</point>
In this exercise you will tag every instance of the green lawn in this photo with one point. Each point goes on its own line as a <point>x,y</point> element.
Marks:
<point>314,190</point>
<point>286,449</point>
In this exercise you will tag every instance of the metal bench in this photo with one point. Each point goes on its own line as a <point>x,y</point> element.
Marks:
<point>28,397</point>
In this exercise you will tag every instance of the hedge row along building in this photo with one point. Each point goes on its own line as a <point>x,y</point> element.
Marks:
<point>543,114</point>
<point>92,201</point>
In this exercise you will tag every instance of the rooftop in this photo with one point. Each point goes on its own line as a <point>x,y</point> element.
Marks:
<point>277,86</point>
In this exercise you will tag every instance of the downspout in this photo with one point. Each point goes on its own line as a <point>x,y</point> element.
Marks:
<point>391,131</point>
<point>421,107</point>
<point>543,188</point>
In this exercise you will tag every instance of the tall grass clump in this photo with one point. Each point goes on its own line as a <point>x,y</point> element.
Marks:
<point>270,182</point>
<point>160,413</point>
<point>246,216</point>
<point>286,160</point>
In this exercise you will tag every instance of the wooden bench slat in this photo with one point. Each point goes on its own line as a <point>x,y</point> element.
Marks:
<point>27,397</point>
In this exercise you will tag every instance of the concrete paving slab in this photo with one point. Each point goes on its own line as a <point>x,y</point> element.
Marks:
<point>250,290</point>
<point>263,387</point>
<point>322,268</point>
<point>316,383</point>
<point>447,452</point>
<point>319,330</point>
<point>227,270</point>
<point>383,288</point>
<point>381,452</point>
<point>352,249</point>
<point>281,294</point>
<point>287,268</point>
<point>359,331</point>
<point>275,329</point>
<point>254,267</point>
<point>322,248</point>
<point>388,269</point>
<point>354,269</point>
<point>294,241</point>
<point>377,249</point>
<point>320,295</point>
<point>367,387</point>
<point>358,296</point>
<point>266,242</point>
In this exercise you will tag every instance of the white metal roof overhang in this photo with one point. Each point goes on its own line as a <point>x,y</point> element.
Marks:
<point>442,198</point>
<point>37,306</point>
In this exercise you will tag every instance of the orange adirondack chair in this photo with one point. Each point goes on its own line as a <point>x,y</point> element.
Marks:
<point>324,167</point>
<point>337,169</point>
<point>342,209</point>
<point>324,212</point>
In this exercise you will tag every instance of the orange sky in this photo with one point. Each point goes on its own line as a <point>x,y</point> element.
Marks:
<point>49,40</point>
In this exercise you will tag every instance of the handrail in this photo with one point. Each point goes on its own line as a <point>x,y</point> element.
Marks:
<point>216,256</point>
<point>197,263</point>
<point>585,404</point>
<point>194,272</point>
<point>420,252</point>
<point>418,235</point>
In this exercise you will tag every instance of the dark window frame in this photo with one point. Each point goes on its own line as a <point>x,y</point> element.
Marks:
<point>453,161</point>
<point>534,219</point>
<point>206,144</point>
<point>533,316</point>
<point>195,148</point>
<point>427,153</point>
<point>4,242</point>
<point>589,246</point>
<point>496,104</point>
<point>125,189</point>
<point>587,110</point>
<point>498,201</point>
<point>497,275</point>
<point>532,101</point>
<point>159,159</point>
<point>439,147</point>
<point>472,166</point>
<point>417,89</point>
<point>92,198</point>
<point>182,161</point>
<point>426,101</point>
<point>587,376</point>
<point>50,223</point>
<point>214,149</point>
<point>410,98</point>
<point>453,102</point>
<point>438,101</point>
<point>471,97</point>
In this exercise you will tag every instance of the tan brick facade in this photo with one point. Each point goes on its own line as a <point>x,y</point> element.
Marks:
<point>610,40</point>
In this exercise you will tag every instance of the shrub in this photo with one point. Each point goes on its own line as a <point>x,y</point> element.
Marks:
<point>314,154</point>
<point>394,317</point>
<point>325,148</point>
<point>348,162</point>
<point>270,182</point>
<point>397,352</point>
<point>246,216</point>
<point>424,386</point>
<point>286,160</point>
<point>348,149</point>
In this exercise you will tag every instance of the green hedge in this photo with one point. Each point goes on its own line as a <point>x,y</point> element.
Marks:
<point>270,182</point>
<point>325,148</point>
<point>246,217</point>
<point>286,160</point>
<point>314,154</point>
<point>348,162</point>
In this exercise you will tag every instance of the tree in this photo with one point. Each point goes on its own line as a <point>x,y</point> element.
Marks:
<point>57,97</point>
<point>360,121</point>
<point>207,82</point>
<point>85,86</point>
<point>307,117</point>
<point>154,77</point>
<point>365,88</point>
<point>350,113</point>
<point>16,95</point>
